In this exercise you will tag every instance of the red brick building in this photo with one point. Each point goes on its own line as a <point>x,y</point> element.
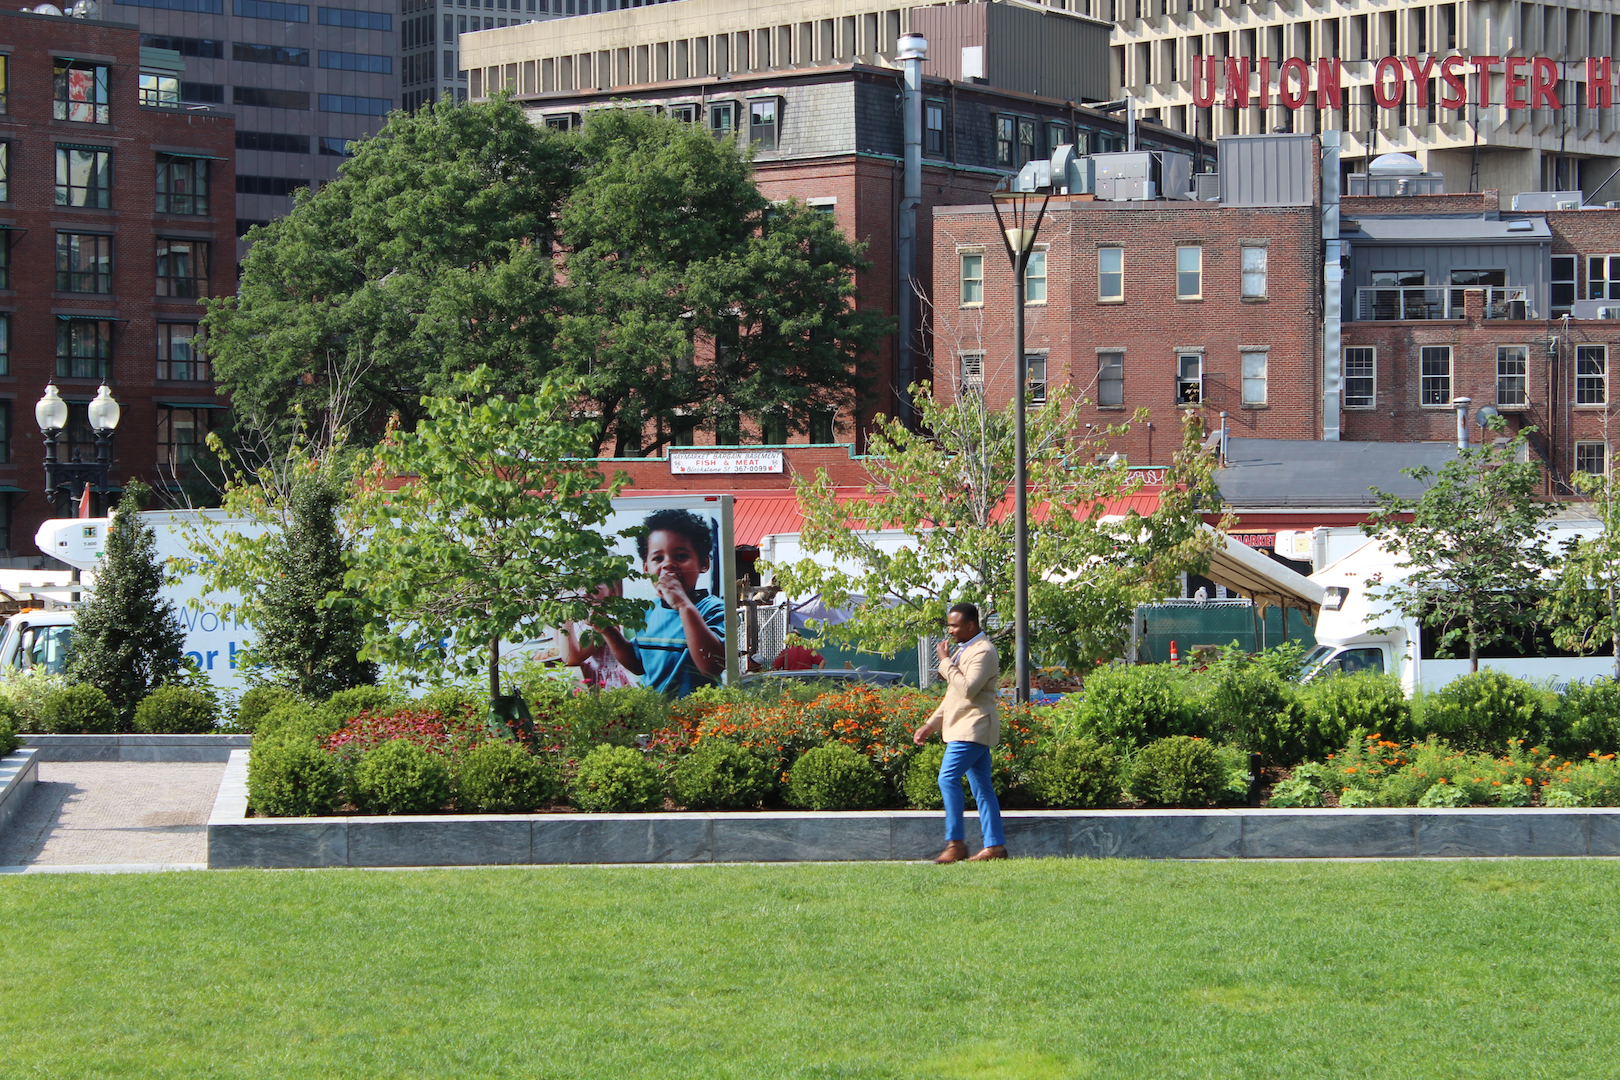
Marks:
<point>1163,306</point>
<point>117,216</point>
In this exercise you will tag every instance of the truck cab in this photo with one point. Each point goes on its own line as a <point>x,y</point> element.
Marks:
<point>36,640</point>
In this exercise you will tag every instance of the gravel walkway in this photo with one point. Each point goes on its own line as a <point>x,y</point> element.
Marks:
<point>103,815</point>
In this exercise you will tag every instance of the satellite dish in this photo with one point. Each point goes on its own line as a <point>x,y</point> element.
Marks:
<point>1485,415</point>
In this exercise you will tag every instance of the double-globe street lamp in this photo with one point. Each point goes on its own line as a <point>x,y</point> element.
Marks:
<point>69,477</point>
<point>1020,221</point>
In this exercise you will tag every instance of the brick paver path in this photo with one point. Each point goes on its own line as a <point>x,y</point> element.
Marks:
<point>110,814</point>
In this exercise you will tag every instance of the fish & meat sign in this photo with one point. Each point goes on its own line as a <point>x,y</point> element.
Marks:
<point>1528,82</point>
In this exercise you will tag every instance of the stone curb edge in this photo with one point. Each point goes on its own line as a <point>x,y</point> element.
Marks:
<point>19,772</point>
<point>173,748</point>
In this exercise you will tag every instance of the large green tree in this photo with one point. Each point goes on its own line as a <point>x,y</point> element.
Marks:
<point>635,258</point>
<point>484,525</point>
<point>1472,547</point>
<point>126,638</point>
<point>1584,602</point>
<point>948,488</point>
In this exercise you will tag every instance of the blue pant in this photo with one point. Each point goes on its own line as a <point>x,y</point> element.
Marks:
<point>972,760</point>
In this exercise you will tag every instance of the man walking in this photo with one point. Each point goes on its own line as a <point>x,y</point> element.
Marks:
<point>970,725</point>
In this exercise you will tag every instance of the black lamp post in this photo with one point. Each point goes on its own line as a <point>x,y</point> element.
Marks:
<point>1019,225</point>
<point>73,476</point>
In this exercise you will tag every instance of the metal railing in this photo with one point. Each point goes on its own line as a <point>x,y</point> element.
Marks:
<point>1419,302</point>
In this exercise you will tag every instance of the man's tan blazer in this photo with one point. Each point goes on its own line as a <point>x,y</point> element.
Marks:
<point>968,713</point>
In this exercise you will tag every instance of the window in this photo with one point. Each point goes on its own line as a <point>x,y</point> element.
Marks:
<point>359,20</point>
<point>81,93</point>
<point>972,280</point>
<point>1436,386</point>
<point>265,9</point>
<point>933,127</point>
<point>1474,279</point>
<point>1591,374</point>
<point>182,434</point>
<point>262,98</point>
<point>773,428</point>
<point>1592,458</point>
<point>1360,377</point>
<point>202,48</point>
<point>83,177</point>
<point>727,429</point>
<point>78,438</point>
<point>247,225</point>
<point>274,142</point>
<point>1603,277</point>
<point>180,355</point>
<point>248,52</point>
<point>1111,379</point>
<point>5,83</point>
<point>1254,377</point>
<point>762,124</point>
<point>278,186</point>
<point>822,427</point>
<point>1562,295</point>
<point>686,114</point>
<point>348,61</point>
<point>1035,379</point>
<point>182,268</point>
<point>1254,273</point>
<point>1006,132</point>
<point>1026,140</point>
<point>1057,134</point>
<point>1512,371</point>
<point>1189,273</point>
<point>5,458</point>
<point>363,106</point>
<point>182,184</point>
<point>972,366</point>
<point>1035,278</point>
<point>83,348</point>
<point>1399,295</point>
<point>5,258</point>
<point>1189,378</point>
<point>206,7</point>
<point>83,263</point>
<point>160,91</point>
<point>561,123</point>
<point>202,93</point>
<point>5,346</point>
<point>1111,274</point>
<point>5,172</point>
<point>723,119</point>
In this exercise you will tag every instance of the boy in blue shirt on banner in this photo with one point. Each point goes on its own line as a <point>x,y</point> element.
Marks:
<point>684,644</point>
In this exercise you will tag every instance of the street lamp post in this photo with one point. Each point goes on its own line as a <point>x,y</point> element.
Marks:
<point>1018,229</point>
<point>52,414</point>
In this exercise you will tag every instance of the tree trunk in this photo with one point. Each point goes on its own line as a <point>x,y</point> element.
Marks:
<point>494,669</point>
<point>1473,649</point>
<point>1614,630</point>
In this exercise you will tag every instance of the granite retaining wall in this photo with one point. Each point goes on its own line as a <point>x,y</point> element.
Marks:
<point>19,772</point>
<point>137,747</point>
<point>236,840</point>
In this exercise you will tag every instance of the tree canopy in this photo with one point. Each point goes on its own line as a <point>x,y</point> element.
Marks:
<point>634,258</point>
<point>948,488</point>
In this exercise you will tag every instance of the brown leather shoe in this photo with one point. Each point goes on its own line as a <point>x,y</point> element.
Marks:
<point>955,851</point>
<point>997,852</point>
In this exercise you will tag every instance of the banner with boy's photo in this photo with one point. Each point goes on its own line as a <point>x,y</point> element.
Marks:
<point>683,563</point>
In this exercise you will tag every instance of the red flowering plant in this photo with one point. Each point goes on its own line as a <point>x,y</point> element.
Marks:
<point>434,731</point>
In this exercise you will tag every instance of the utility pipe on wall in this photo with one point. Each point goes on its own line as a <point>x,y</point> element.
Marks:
<point>912,51</point>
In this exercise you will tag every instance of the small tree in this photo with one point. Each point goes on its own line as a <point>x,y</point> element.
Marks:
<point>949,488</point>
<point>126,640</point>
<point>494,533</point>
<point>1584,605</point>
<point>1472,543</point>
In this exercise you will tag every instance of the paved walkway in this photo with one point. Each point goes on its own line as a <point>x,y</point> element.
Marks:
<point>103,815</point>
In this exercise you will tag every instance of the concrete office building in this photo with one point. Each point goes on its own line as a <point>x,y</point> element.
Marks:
<point>302,79</point>
<point>1160,47</point>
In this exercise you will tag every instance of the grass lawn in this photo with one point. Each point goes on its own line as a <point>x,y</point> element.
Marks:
<point>1027,969</point>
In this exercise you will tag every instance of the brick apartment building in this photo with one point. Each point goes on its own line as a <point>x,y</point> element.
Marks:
<point>115,216</point>
<point>817,102</point>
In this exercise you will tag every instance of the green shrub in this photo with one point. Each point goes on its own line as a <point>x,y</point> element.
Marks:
<point>593,718</point>
<point>291,776</point>
<point>1178,771</point>
<point>1234,776</point>
<point>1079,774</point>
<point>455,701</point>
<point>720,775</point>
<point>258,702</point>
<point>25,694</point>
<point>500,777</point>
<point>296,717</point>
<point>834,777</point>
<point>1589,719</point>
<point>1442,796</point>
<point>1253,708</point>
<point>617,779</point>
<point>1594,782</point>
<point>1132,705</point>
<point>9,739</point>
<point>79,709</point>
<point>1295,793</point>
<point>1357,798</point>
<point>1337,705</point>
<point>345,705</point>
<point>1482,711</point>
<point>1560,799</point>
<point>400,777</point>
<point>176,710</point>
<point>920,781</point>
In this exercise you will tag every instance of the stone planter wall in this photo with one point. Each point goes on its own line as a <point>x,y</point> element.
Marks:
<point>19,772</point>
<point>235,840</point>
<point>137,747</point>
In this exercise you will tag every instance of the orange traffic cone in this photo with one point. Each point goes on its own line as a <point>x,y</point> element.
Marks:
<point>1173,656</point>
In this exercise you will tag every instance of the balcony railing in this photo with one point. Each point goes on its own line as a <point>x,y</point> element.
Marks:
<point>1415,302</point>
